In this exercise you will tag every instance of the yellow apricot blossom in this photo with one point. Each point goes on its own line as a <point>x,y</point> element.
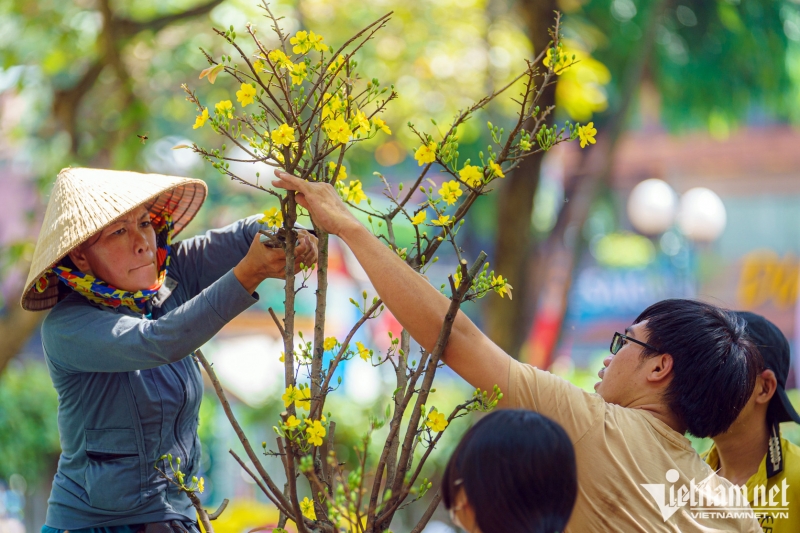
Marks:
<point>496,169</point>
<point>283,135</point>
<point>361,122</point>
<point>224,108</point>
<point>363,352</point>
<point>298,73</point>
<point>292,422</point>
<point>353,192</point>
<point>279,59</point>
<point>289,396</point>
<point>201,119</point>
<point>587,133</point>
<point>258,65</point>
<point>426,153</point>
<point>472,175</point>
<point>329,343</point>
<point>336,63</point>
<point>563,60</point>
<point>381,125</point>
<point>436,421</point>
<point>315,432</point>
<point>316,42</point>
<point>301,42</point>
<point>501,287</point>
<point>419,218</point>
<point>303,398</point>
<point>272,217</point>
<point>338,130</point>
<point>246,94</point>
<point>341,175</point>
<point>443,220</point>
<point>331,105</point>
<point>307,508</point>
<point>450,191</point>
<point>201,485</point>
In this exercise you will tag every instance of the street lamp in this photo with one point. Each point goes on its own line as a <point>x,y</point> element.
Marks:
<point>651,207</point>
<point>701,216</point>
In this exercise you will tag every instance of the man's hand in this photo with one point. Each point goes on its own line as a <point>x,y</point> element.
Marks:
<point>322,203</point>
<point>262,262</point>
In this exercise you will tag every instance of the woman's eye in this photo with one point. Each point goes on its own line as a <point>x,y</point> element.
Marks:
<point>119,231</point>
<point>146,223</point>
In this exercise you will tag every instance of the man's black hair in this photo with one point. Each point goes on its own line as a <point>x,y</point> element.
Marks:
<point>714,364</point>
<point>518,470</point>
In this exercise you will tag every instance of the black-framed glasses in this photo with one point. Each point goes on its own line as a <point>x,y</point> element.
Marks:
<point>619,341</point>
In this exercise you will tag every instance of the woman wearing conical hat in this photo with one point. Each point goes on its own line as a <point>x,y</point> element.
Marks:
<point>129,306</point>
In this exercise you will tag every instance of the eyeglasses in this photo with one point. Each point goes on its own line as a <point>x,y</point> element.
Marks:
<point>619,341</point>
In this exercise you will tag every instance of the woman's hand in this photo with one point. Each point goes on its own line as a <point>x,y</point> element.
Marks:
<point>262,262</point>
<point>322,202</point>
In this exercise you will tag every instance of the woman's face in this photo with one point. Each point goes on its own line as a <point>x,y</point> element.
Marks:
<point>124,254</point>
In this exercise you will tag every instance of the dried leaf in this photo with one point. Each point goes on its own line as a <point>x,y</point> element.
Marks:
<point>212,72</point>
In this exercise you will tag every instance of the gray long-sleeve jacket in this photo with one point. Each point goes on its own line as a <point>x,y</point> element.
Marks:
<point>129,392</point>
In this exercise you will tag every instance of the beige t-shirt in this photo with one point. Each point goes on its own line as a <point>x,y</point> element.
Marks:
<point>634,472</point>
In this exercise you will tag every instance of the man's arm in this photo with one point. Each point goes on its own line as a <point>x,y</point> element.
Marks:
<point>416,304</point>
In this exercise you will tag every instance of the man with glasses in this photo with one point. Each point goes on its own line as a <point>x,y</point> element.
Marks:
<point>683,366</point>
<point>752,453</point>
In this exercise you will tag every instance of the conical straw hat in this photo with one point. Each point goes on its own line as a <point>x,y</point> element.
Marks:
<point>86,200</point>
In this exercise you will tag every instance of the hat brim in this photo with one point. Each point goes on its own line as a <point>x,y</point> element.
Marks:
<point>182,201</point>
<point>783,408</point>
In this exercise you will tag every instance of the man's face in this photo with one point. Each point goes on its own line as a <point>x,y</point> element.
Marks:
<point>623,376</point>
<point>123,254</point>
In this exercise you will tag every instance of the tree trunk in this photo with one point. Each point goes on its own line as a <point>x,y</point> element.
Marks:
<point>514,242</point>
<point>555,258</point>
<point>16,327</point>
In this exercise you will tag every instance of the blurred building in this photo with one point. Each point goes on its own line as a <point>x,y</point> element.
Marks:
<point>753,265</point>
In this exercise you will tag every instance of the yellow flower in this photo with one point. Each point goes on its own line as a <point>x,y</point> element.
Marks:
<point>471,175</point>
<point>443,220</point>
<point>525,145</point>
<point>245,94</point>
<point>272,217</point>
<point>307,508</point>
<point>336,63</point>
<point>303,398</point>
<point>298,73</point>
<point>450,191</point>
<point>563,60</point>
<point>501,287</point>
<point>329,344</point>
<point>381,125</point>
<point>301,42</point>
<point>419,218</point>
<point>426,153</point>
<point>363,351</point>
<point>338,130</point>
<point>258,65</point>
<point>496,169</point>
<point>315,433</point>
<point>331,105</point>
<point>436,421</point>
<point>457,278</point>
<point>224,108</point>
<point>201,119</point>
<point>292,422</point>
<point>316,42</point>
<point>279,59</point>
<point>342,175</point>
<point>587,133</point>
<point>284,135</point>
<point>282,358</point>
<point>353,192</point>
<point>361,122</point>
<point>201,485</point>
<point>289,396</point>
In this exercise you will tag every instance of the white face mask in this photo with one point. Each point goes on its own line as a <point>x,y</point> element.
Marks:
<point>454,518</point>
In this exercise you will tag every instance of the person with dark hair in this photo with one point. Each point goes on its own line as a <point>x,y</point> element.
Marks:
<point>752,453</point>
<point>513,472</point>
<point>681,366</point>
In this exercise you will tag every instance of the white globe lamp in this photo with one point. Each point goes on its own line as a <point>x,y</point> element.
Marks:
<point>651,207</point>
<point>701,216</point>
